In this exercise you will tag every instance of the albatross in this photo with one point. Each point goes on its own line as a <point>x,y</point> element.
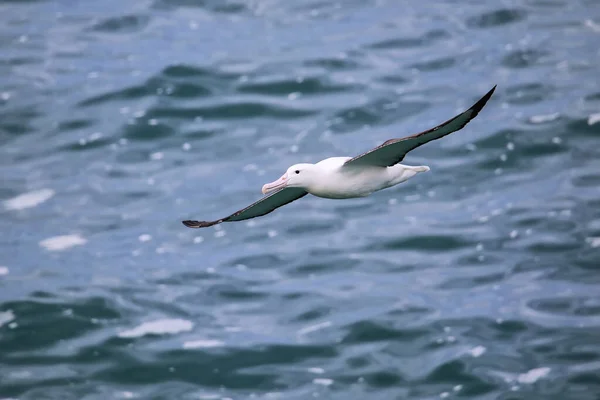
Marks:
<point>348,177</point>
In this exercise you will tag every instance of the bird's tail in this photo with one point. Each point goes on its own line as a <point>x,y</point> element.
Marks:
<point>423,168</point>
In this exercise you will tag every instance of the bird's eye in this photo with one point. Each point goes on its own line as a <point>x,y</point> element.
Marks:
<point>297,171</point>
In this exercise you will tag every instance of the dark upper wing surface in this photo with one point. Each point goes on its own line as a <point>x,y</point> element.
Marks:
<point>394,150</point>
<point>261,207</point>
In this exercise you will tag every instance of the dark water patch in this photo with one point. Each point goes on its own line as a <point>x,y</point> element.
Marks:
<point>586,180</point>
<point>84,144</point>
<point>305,86</point>
<point>324,267</point>
<point>499,139</point>
<point>575,355</point>
<point>143,130</point>
<point>430,243</point>
<point>49,388</point>
<point>410,42</point>
<point>333,64</point>
<point>434,65</point>
<point>458,372</point>
<point>196,72</point>
<point>133,156</point>
<point>523,58</point>
<point>222,367</point>
<point>357,362</point>
<point>471,282</point>
<point>121,24</point>
<point>395,79</point>
<point>375,380</point>
<point>529,93</point>
<point>546,3</point>
<point>227,7</point>
<point>552,244</point>
<point>263,261</point>
<point>525,153</point>
<point>371,331</point>
<point>480,260</point>
<point>312,228</point>
<point>238,110</point>
<point>19,121</point>
<point>234,292</point>
<point>186,90</point>
<point>186,278</point>
<point>153,87</point>
<point>408,310</point>
<point>75,124</point>
<point>572,306</point>
<point>576,272</point>
<point>593,97</point>
<point>540,220</point>
<point>378,112</point>
<point>587,260</point>
<point>325,252</point>
<point>583,127</point>
<point>505,330</point>
<point>588,379</point>
<point>130,93</point>
<point>497,18</point>
<point>201,134</point>
<point>17,61</point>
<point>176,81</point>
<point>41,294</point>
<point>41,324</point>
<point>312,314</point>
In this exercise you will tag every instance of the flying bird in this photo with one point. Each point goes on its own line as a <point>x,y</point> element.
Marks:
<point>348,177</point>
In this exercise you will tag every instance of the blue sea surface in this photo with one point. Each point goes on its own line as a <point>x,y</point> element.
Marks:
<point>477,280</point>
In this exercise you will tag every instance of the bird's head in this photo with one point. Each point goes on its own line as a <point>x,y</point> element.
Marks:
<point>298,175</point>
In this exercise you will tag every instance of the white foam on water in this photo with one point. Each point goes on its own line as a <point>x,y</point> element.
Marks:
<point>4,270</point>
<point>540,119</point>
<point>477,351</point>
<point>313,328</point>
<point>533,375</point>
<point>59,243</point>
<point>592,25</point>
<point>323,381</point>
<point>593,119</point>
<point>203,344</point>
<point>159,327</point>
<point>6,317</point>
<point>316,370</point>
<point>29,199</point>
<point>593,241</point>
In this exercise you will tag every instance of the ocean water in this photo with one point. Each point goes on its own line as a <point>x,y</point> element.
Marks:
<point>477,280</point>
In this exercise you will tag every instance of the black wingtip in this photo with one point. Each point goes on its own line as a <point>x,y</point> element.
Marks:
<point>199,224</point>
<point>482,102</point>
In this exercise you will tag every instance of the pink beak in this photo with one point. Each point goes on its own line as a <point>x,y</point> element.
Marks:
<point>278,184</point>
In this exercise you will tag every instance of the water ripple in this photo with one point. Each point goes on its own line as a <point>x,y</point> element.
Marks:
<point>120,119</point>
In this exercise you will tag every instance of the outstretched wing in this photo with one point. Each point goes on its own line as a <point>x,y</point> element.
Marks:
<point>393,151</point>
<point>261,207</point>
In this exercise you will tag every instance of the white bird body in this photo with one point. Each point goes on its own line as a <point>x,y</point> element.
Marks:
<point>349,177</point>
<point>338,181</point>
